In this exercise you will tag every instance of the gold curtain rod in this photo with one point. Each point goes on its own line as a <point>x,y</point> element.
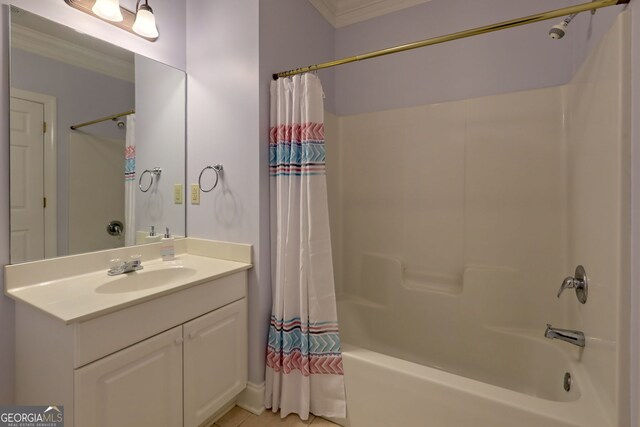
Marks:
<point>557,13</point>
<point>104,119</point>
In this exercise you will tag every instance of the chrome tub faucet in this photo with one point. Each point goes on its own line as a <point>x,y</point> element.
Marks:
<point>567,335</point>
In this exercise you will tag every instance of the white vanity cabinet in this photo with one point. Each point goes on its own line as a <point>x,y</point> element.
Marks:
<point>174,360</point>
<point>143,385</point>
<point>215,361</point>
<point>137,386</point>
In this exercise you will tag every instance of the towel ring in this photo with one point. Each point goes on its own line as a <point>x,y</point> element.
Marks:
<point>217,169</point>
<point>152,173</point>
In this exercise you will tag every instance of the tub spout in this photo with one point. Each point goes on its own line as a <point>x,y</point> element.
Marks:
<point>567,335</point>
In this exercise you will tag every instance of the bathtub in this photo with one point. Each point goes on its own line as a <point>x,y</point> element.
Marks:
<point>475,376</point>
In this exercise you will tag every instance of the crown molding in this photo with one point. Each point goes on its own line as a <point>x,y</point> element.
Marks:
<point>342,14</point>
<point>61,50</point>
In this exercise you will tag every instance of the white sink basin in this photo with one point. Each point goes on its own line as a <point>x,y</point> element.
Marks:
<point>144,279</point>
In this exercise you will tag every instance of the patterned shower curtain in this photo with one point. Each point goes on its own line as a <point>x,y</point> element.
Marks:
<point>130,182</point>
<point>304,363</point>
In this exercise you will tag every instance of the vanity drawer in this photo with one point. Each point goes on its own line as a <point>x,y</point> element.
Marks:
<point>107,334</point>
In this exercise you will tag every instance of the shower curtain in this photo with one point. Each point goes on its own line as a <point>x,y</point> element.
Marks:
<point>130,182</point>
<point>304,363</point>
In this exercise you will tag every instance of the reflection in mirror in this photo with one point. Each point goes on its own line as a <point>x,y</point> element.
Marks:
<point>80,190</point>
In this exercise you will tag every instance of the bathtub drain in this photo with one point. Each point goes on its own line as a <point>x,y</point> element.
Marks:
<point>567,381</point>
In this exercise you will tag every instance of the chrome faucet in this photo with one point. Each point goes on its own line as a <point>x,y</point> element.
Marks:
<point>123,267</point>
<point>567,335</point>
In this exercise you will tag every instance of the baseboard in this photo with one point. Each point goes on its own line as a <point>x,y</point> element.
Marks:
<point>219,414</point>
<point>252,398</point>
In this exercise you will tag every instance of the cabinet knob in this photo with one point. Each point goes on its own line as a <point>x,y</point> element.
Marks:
<point>179,340</point>
<point>193,334</point>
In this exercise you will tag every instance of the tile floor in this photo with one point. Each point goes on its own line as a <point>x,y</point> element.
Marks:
<point>238,417</point>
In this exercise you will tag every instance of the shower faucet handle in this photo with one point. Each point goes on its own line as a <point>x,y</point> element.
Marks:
<point>579,282</point>
<point>568,283</point>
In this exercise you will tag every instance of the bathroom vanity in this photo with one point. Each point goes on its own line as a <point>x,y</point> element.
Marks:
<point>163,346</point>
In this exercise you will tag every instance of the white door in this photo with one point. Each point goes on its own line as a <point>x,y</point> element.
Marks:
<point>135,387</point>
<point>215,361</point>
<point>27,180</point>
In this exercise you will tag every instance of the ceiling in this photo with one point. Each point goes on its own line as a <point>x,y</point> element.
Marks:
<point>346,12</point>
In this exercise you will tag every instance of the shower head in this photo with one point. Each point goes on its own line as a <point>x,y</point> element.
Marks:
<point>558,31</point>
<point>121,124</point>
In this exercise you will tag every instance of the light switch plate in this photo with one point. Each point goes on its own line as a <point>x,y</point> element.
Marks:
<point>195,194</point>
<point>178,194</point>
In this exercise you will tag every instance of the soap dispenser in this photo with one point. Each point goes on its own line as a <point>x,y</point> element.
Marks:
<point>152,237</point>
<point>167,247</point>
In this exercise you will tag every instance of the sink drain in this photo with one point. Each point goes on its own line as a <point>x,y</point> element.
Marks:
<point>567,381</point>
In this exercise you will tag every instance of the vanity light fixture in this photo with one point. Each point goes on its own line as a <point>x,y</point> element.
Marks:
<point>108,9</point>
<point>142,22</point>
<point>145,24</point>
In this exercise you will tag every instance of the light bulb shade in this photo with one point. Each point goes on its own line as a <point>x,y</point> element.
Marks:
<point>145,24</point>
<point>108,9</point>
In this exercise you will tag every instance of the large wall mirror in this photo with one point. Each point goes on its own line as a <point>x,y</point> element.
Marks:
<point>119,172</point>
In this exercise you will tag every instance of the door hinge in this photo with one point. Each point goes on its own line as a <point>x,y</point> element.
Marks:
<point>44,202</point>
<point>44,127</point>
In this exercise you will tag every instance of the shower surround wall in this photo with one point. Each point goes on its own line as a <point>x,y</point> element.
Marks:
<point>499,197</point>
<point>598,133</point>
<point>448,189</point>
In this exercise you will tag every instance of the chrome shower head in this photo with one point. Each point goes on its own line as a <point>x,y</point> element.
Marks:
<point>558,31</point>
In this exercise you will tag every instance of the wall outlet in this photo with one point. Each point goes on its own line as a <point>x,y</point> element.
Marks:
<point>178,194</point>
<point>195,194</point>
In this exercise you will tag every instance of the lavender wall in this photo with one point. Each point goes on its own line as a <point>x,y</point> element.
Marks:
<point>232,50</point>
<point>168,49</point>
<point>313,42</point>
<point>222,127</point>
<point>506,61</point>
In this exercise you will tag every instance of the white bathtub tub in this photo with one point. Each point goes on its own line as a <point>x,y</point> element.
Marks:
<point>480,377</point>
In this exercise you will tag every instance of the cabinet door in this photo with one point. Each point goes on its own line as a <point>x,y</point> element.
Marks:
<point>138,386</point>
<point>215,361</point>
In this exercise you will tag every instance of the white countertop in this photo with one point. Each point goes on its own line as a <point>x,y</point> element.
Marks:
<point>82,297</point>
<point>77,298</point>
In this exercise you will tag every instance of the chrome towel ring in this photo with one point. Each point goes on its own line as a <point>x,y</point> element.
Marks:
<point>153,173</point>
<point>217,169</point>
